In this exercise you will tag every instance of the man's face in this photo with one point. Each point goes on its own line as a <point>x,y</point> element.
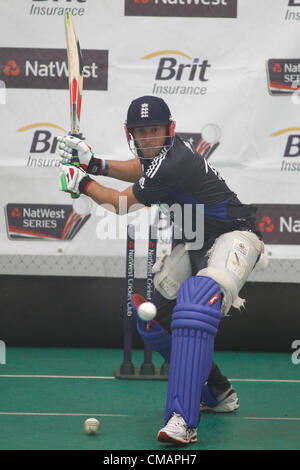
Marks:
<point>150,139</point>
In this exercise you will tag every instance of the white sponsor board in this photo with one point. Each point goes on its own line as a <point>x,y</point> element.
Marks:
<point>217,69</point>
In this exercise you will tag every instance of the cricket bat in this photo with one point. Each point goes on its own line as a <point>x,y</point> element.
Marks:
<point>75,68</point>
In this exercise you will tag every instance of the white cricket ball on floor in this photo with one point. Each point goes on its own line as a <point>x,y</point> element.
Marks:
<point>91,426</point>
<point>147,311</point>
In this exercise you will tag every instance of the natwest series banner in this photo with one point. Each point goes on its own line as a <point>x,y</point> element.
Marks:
<point>42,222</point>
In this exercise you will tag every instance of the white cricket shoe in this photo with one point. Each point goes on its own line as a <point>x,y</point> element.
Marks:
<point>228,402</point>
<point>177,431</point>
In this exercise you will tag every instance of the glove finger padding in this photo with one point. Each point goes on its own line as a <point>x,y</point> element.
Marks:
<point>70,178</point>
<point>67,144</point>
<point>69,141</point>
<point>65,155</point>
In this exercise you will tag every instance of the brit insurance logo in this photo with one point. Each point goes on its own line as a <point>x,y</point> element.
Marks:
<point>288,140</point>
<point>293,11</point>
<point>40,138</point>
<point>283,76</point>
<point>177,73</point>
<point>57,7</point>
<point>47,68</point>
<point>182,8</point>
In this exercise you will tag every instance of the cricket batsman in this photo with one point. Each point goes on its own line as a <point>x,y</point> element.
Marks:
<point>195,285</point>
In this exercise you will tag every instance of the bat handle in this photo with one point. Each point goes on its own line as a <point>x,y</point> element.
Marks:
<point>75,162</point>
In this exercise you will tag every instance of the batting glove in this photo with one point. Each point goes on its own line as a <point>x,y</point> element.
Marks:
<point>73,179</point>
<point>87,159</point>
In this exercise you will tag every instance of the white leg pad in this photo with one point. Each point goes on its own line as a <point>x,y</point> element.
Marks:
<point>171,271</point>
<point>231,260</point>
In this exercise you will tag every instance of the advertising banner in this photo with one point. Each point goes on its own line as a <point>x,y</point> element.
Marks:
<point>233,90</point>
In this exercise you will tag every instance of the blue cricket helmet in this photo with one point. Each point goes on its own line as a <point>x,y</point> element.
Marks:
<point>148,111</point>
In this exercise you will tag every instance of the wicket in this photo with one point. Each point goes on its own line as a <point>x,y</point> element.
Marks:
<point>127,370</point>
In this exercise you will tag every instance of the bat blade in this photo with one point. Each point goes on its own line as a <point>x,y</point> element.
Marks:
<point>75,68</point>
